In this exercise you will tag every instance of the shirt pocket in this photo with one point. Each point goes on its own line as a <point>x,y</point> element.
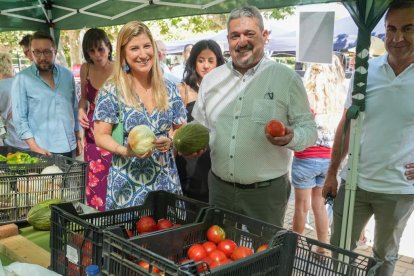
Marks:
<point>263,111</point>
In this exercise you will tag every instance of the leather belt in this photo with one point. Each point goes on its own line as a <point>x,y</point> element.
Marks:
<point>256,185</point>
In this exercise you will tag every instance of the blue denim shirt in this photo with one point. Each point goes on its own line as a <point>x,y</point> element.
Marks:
<point>50,116</point>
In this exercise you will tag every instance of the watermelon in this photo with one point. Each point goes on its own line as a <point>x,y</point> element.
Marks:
<point>39,215</point>
<point>191,138</point>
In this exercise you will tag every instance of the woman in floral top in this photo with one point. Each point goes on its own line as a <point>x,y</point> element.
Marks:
<point>144,98</point>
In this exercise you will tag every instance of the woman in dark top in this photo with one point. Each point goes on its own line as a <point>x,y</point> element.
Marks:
<point>97,51</point>
<point>204,57</point>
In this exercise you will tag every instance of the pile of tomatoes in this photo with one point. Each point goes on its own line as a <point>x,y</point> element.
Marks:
<point>148,224</point>
<point>218,250</point>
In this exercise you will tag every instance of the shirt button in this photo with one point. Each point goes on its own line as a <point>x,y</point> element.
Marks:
<point>237,117</point>
<point>231,156</point>
<point>231,174</point>
<point>240,98</point>
<point>233,137</point>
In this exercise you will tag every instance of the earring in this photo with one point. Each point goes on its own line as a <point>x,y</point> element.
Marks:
<point>126,68</point>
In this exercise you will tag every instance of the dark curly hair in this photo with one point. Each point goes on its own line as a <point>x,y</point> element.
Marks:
<point>191,78</point>
<point>92,39</point>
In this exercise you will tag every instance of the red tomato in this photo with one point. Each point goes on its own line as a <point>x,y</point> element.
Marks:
<point>215,264</point>
<point>146,224</point>
<point>129,233</point>
<point>275,128</point>
<point>263,247</point>
<point>209,246</point>
<point>215,234</point>
<point>217,255</point>
<point>227,246</point>
<point>145,265</point>
<point>196,252</point>
<point>183,261</point>
<point>203,267</point>
<point>241,252</point>
<point>164,224</point>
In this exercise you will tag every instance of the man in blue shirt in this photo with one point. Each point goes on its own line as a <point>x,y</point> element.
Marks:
<point>44,102</point>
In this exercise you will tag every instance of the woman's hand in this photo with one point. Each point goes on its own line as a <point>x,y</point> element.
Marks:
<point>163,144</point>
<point>83,118</point>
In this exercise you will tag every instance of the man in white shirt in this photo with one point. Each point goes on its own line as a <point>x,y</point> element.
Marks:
<point>386,164</point>
<point>162,55</point>
<point>178,70</point>
<point>250,168</point>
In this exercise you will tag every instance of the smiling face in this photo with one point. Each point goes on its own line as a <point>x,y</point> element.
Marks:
<point>139,54</point>
<point>43,53</point>
<point>399,38</point>
<point>99,54</point>
<point>246,42</point>
<point>206,61</point>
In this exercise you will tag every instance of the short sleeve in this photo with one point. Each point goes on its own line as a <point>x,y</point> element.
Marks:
<point>107,106</point>
<point>176,104</point>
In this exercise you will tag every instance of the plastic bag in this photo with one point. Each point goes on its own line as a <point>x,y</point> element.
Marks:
<point>24,269</point>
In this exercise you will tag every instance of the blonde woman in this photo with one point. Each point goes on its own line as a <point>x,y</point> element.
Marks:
<point>6,79</point>
<point>144,98</point>
<point>324,84</point>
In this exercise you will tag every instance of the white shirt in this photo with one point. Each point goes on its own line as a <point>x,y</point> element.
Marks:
<point>178,71</point>
<point>387,140</point>
<point>236,109</point>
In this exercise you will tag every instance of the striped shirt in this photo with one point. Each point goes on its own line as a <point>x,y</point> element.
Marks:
<point>236,108</point>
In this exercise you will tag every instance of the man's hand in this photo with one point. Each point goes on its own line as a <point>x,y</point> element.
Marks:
<point>280,141</point>
<point>42,151</point>
<point>331,185</point>
<point>409,173</point>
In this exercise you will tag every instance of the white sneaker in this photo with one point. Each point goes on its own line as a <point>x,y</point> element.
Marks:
<point>308,226</point>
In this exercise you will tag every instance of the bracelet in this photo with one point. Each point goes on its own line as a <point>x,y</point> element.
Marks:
<point>79,138</point>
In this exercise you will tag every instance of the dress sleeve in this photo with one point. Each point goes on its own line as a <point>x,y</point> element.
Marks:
<point>107,108</point>
<point>176,104</point>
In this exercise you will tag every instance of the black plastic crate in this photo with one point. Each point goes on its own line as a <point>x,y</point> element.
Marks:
<point>76,239</point>
<point>166,250</point>
<point>22,186</point>
<point>288,253</point>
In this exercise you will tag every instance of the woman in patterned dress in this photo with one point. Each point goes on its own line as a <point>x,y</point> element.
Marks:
<point>139,91</point>
<point>97,51</point>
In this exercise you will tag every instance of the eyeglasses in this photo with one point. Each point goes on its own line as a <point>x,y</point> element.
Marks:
<point>46,53</point>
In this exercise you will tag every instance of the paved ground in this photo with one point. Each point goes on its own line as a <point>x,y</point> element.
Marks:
<point>405,264</point>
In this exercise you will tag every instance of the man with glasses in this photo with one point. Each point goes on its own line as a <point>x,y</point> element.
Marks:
<point>385,174</point>
<point>44,102</point>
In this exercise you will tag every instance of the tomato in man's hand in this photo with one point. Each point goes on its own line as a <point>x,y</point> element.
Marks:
<point>275,128</point>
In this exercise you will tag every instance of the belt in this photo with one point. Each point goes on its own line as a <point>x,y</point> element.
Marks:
<point>256,185</point>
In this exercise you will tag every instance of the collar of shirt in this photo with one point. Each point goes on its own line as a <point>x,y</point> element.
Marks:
<point>251,71</point>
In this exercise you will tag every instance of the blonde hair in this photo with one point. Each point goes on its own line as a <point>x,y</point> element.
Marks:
<point>6,65</point>
<point>324,84</point>
<point>123,79</point>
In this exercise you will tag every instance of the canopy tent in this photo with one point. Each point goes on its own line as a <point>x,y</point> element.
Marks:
<point>75,14</point>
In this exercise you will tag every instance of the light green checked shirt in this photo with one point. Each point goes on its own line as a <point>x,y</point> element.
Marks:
<point>236,109</point>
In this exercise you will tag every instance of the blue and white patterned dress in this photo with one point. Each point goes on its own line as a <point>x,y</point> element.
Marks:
<point>130,179</point>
